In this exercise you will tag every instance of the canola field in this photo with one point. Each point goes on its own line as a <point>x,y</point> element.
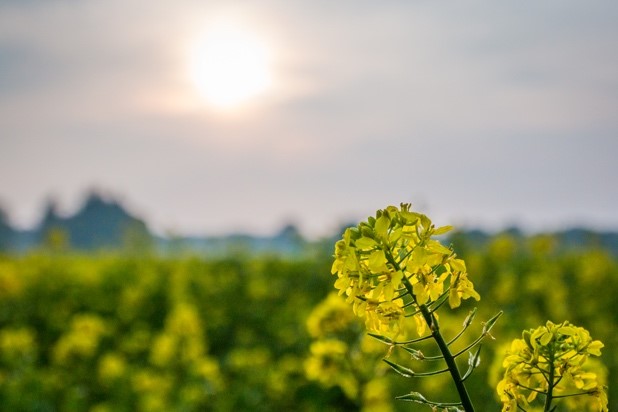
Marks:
<point>114,332</point>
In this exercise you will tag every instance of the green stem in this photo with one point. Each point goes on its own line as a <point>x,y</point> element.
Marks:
<point>432,322</point>
<point>449,359</point>
<point>550,382</point>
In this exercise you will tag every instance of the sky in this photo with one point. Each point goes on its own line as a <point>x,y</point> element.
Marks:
<point>479,113</point>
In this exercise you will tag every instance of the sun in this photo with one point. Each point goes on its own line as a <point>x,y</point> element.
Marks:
<point>230,65</point>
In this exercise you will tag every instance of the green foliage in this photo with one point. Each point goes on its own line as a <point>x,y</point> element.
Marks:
<point>111,333</point>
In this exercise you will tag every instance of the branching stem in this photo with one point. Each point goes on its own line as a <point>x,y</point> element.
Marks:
<point>432,322</point>
<point>550,388</point>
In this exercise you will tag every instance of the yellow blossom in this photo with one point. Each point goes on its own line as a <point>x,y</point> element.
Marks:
<point>390,265</point>
<point>552,359</point>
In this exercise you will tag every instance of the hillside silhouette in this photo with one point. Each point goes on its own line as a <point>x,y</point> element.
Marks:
<point>104,223</point>
<point>101,223</point>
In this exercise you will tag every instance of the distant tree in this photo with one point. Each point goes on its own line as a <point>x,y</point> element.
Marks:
<point>51,220</point>
<point>6,232</point>
<point>98,224</point>
<point>289,239</point>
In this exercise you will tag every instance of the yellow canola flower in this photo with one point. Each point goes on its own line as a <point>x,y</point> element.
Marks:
<point>390,265</point>
<point>331,316</point>
<point>552,359</point>
<point>82,340</point>
<point>111,367</point>
<point>17,345</point>
<point>327,365</point>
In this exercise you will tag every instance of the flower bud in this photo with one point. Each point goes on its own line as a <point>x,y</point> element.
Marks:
<point>367,232</point>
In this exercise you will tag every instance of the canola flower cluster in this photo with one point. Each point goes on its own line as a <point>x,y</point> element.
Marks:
<point>552,360</point>
<point>341,355</point>
<point>389,267</point>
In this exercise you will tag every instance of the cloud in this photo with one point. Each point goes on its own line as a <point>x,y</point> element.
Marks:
<point>484,109</point>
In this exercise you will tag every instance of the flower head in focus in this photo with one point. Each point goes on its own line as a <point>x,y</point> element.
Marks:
<point>390,265</point>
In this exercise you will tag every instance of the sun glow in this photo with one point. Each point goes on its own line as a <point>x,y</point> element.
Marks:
<point>230,66</point>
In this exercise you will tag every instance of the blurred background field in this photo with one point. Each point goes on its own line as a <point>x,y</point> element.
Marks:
<point>124,329</point>
<point>243,136</point>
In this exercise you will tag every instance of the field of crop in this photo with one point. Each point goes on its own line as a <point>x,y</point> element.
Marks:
<point>126,333</point>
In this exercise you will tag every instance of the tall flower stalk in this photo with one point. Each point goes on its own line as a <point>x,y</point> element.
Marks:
<point>396,276</point>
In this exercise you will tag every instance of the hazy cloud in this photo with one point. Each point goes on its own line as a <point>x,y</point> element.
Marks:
<point>483,112</point>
